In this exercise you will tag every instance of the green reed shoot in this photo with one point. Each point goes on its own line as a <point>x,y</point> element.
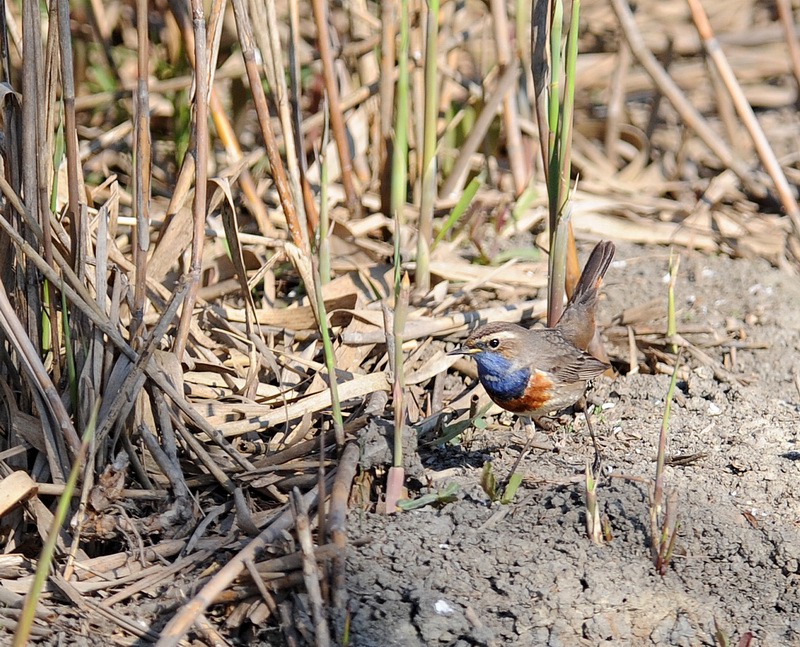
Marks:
<point>458,211</point>
<point>429,162</point>
<point>672,327</point>
<point>555,117</point>
<point>72,371</point>
<point>662,541</point>
<point>400,151</point>
<point>400,316</point>
<point>330,357</point>
<point>323,231</point>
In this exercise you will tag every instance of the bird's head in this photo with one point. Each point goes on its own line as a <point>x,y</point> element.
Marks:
<point>494,345</point>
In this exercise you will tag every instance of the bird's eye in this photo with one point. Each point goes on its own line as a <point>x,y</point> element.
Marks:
<point>494,343</point>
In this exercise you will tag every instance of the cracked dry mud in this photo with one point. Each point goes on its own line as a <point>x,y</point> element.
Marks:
<point>477,573</point>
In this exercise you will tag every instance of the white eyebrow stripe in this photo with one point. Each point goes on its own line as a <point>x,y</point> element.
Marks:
<point>503,334</point>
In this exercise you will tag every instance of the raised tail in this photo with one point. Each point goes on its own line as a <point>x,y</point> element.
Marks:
<point>578,321</point>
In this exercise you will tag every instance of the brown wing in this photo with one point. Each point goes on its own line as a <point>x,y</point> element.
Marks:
<point>581,367</point>
<point>547,350</point>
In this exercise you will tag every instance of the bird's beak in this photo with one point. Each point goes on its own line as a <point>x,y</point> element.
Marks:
<point>463,350</point>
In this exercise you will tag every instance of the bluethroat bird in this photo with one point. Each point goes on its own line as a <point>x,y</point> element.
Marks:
<point>536,373</point>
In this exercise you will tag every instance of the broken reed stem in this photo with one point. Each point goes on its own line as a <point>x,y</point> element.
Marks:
<point>310,570</point>
<point>337,528</point>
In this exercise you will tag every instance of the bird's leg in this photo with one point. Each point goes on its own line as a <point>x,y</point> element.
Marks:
<point>530,427</point>
<point>597,458</point>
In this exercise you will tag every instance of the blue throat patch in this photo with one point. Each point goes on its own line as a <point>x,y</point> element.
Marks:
<point>499,379</point>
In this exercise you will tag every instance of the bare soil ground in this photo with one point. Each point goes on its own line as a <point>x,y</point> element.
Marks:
<point>476,573</point>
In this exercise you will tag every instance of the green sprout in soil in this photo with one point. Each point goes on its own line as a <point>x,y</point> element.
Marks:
<point>664,532</point>
<point>438,498</point>
<point>504,493</point>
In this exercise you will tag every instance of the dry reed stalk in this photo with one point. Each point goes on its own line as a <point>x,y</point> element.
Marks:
<point>228,138</point>
<point>503,42</point>
<point>616,104</point>
<point>268,38</point>
<point>312,215</point>
<point>746,114</point>
<point>335,108</point>
<point>78,233</point>
<point>337,528</point>
<point>39,379</point>
<point>676,97</point>
<point>32,183</point>
<point>47,137</point>
<point>790,33</point>
<point>221,122</point>
<point>245,31</point>
<point>142,179</point>
<point>200,120</point>
<point>80,299</point>
<point>727,114</point>
<point>388,68</point>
